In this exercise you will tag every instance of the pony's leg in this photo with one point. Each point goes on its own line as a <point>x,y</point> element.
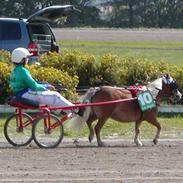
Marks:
<point>155,122</point>
<point>98,128</point>
<point>137,131</point>
<point>91,133</point>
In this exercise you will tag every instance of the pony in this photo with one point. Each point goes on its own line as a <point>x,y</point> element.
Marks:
<point>127,111</point>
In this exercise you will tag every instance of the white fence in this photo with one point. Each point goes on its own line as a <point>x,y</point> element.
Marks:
<point>171,109</point>
<point>162,109</point>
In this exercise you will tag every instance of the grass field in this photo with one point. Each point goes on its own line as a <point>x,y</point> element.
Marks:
<point>169,51</point>
<point>172,127</point>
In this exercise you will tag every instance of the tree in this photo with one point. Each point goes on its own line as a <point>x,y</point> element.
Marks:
<point>126,13</point>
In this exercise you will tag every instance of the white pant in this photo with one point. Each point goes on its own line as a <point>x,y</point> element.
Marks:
<point>50,98</point>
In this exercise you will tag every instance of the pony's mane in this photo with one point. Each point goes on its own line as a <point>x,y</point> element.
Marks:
<point>156,83</point>
<point>155,86</point>
<point>86,98</point>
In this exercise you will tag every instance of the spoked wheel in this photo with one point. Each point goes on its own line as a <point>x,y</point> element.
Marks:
<point>14,133</point>
<point>47,136</point>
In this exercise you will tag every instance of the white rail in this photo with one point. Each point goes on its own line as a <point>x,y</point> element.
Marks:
<point>161,109</point>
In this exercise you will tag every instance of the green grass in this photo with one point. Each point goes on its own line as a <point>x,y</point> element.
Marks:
<point>169,51</point>
<point>2,120</point>
<point>172,127</point>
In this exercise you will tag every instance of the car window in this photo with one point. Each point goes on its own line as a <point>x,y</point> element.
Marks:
<point>10,31</point>
<point>39,29</point>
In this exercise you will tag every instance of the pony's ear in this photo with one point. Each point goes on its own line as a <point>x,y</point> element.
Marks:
<point>167,79</point>
<point>160,75</point>
<point>167,76</point>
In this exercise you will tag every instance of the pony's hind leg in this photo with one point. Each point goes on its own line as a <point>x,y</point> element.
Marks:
<point>91,131</point>
<point>137,131</point>
<point>89,124</point>
<point>98,128</point>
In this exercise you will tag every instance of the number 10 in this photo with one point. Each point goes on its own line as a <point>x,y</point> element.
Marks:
<point>145,98</point>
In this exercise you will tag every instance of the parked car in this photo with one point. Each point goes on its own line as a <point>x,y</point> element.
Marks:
<point>33,33</point>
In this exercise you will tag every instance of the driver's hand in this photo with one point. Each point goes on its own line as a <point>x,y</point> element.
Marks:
<point>50,87</point>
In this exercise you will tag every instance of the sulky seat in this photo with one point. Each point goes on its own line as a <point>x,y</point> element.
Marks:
<point>23,103</point>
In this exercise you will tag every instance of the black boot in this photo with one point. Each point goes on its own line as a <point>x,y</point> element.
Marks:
<point>81,112</point>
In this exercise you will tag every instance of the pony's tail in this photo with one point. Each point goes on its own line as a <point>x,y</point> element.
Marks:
<point>76,123</point>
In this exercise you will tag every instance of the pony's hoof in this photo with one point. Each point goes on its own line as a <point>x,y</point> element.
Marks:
<point>101,144</point>
<point>155,141</point>
<point>76,142</point>
<point>138,143</point>
<point>90,138</point>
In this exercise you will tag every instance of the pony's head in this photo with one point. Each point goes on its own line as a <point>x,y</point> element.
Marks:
<point>168,87</point>
<point>171,89</point>
<point>165,86</point>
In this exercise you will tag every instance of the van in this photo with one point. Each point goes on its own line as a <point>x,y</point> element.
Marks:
<point>33,33</point>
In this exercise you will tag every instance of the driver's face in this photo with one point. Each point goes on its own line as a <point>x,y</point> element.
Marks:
<point>26,60</point>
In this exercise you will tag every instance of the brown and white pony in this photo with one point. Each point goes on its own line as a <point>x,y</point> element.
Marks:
<point>128,111</point>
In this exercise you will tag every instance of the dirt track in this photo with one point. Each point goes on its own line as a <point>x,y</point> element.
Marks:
<point>120,161</point>
<point>119,34</point>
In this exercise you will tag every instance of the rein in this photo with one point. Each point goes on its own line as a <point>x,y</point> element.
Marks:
<point>102,103</point>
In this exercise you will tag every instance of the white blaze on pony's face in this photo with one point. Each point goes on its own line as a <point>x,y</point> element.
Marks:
<point>167,80</point>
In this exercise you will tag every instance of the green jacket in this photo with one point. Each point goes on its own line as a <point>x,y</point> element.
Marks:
<point>20,78</point>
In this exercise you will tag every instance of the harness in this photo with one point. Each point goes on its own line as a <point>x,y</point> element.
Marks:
<point>135,89</point>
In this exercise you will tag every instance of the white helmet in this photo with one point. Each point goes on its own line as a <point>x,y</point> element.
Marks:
<point>18,54</point>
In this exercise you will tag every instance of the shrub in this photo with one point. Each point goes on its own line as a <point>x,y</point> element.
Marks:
<point>5,56</point>
<point>4,78</point>
<point>51,59</point>
<point>73,68</point>
<point>74,63</point>
<point>141,70</point>
<point>109,69</point>
<point>57,78</point>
